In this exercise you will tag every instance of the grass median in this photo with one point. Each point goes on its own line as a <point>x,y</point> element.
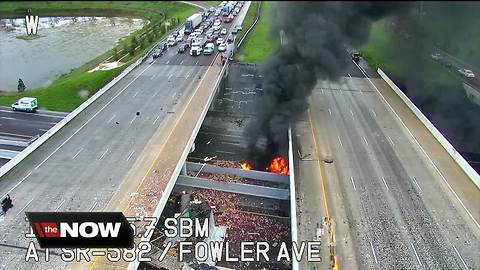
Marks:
<point>73,88</point>
<point>258,44</point>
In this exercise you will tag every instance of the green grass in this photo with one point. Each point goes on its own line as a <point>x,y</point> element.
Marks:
<point>71,89</point>
<point>258,45</point>
<point>212,3</point>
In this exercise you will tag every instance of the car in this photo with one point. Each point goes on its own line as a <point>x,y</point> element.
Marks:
<point>156,53</point>
<point>182,48</point>
<point>28,104</point>
<point>210,38</point>
<point>162,46</point>
<point>230,38</point>
<point>179,38</point>
<point>223,31</point>
<point>219,41</point>
<point>199,31</point>
<point>436,56</point>
<point>238,28</point>
<point>195,51</point>
<point>171,42</point>
<point>211,9</point>
<point>217,13</point>
<point>175,34</point>
<point>228,19</point>
<point>215,35</point>
<point>234,13</point>
<point>222,47</point>
<point>467,73</point>
<point>209,48</point>
<point>355,56</point>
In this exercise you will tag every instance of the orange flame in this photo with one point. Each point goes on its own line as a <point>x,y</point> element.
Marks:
<point>278,165</point>
<point>246,166</point>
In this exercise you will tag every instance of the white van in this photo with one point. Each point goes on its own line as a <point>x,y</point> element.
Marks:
<point>27,104</point>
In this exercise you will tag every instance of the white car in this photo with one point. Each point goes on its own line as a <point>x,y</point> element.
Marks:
<point>222,47</point>
<point>220,41</point>
<point>198,31</point>
<point>467,73</point>
<point>27,104</point>
<point>224,31</point>
<point>171,42</point>
<point>217,13</point>
<point>436,56</point>
<point>179,38</point>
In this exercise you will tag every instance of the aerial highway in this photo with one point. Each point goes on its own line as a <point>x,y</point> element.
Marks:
<point>391,207</point>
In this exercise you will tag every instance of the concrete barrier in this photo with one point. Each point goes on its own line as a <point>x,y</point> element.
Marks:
<point>293,197</point>
<point>462,163</point>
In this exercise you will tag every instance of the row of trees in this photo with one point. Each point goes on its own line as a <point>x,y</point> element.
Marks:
<point>150,35</point>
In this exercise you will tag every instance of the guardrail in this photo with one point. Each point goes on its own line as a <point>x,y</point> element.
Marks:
<point>462,163</point>
<point>52,131</point>
<point>258,12</point>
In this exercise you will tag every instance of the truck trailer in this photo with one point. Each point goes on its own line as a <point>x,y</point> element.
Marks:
<point>192,22</point>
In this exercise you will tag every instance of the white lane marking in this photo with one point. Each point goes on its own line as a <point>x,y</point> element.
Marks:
<point>151,78</point>
<point>339,140</point>
<point>458,254</point>
<point>365,140</point>
<point>373,112</point>
<point>77,153</point>
<point>135,94</point>
<point>169,77</point>
<point>133,119</point>
<point>167,61</point>
<point>225,152</point>
<point>8,118</point>
<point>60,205</point>
<point>385,182</point>
<point>23,179</point>
<point>196,63</point>
<point>88,121</point>
<point>329,111</point>
<point>349,75</point>
<point>24,207</point>
<point>34,114</point>
<point>322,91</point>
<point>423,150</point>
<point>41,129</point>
<point>104,153</point>
<point>373,251</point>
<point>111,119</point>
<point>93,206</point>
<point>416,255</point>
<point>416,183</point>
<point>181,62</point>
<point>156,119</point>
<point>353,183</point>
<point>188,75</point>
<point>391,141</point>
<point>129,156</point>
<point>351,112</point>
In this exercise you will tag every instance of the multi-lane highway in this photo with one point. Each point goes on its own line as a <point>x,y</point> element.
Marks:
<point>81,167</point>
<point>391,208</point>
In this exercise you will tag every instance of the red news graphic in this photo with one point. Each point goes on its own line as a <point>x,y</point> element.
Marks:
<point>81,229</point>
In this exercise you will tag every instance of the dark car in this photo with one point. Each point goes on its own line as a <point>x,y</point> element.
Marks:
<point>182,48</point>
<point>175,34</point>
<point>162,46</point>
<point>156,53</point>
<point>216,34</point>
<point>230,39</point>
<point>356,56</point>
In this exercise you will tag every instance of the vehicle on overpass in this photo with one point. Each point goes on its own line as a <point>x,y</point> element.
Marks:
<point>192,22</point>
<point>467,73</point>
<point>222,47</point>
<point>355,56</point>
<point>196,50</point>
<point>227,9</point>
<point>28,104</point>
<point>209,48</point>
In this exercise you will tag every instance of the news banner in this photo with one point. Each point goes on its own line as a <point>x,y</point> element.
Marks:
<point>80,235</point>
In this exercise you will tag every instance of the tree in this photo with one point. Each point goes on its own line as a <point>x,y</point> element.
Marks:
<point>115,54</point>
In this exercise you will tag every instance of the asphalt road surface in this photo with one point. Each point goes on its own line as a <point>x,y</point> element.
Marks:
<point>22,124</point>
<point>391,208</point>
<point>81,166</point>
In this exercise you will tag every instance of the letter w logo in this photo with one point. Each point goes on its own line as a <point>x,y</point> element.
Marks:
<point>32,24</point>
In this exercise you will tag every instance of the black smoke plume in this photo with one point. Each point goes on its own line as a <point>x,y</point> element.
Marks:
<point>315,35</point>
